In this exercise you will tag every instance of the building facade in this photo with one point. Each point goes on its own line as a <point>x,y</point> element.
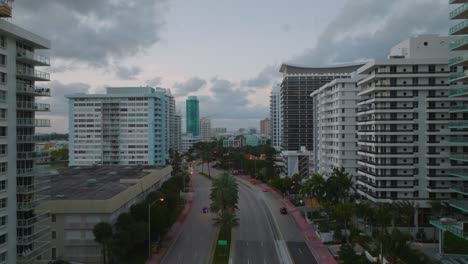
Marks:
<point>178,132</point>
<point>188,140</point>
<point>23,229</point>
<point>457,224</point>
<point>205,130</point>
<point>275,117</point>
<point>404,128</point>
<point>171,122</point>
<point>335,130</point>
<point>193,116</point>
<point>125,126</point>
<point>265,127</point>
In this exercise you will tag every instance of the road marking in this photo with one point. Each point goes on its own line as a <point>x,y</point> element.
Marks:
<point>246,243</point>
<point>300,251</point>
<point>261,243</point>
<point>248,261</point>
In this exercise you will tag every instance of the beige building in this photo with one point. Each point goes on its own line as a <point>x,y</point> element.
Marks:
<point>265,127</point>
<point>81,198</point>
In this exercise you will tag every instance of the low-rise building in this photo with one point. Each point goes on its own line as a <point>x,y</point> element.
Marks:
<point>188,140</point>
<point>83,197</point>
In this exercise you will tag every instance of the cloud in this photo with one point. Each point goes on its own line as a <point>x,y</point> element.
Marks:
<point>265,78</point>
<point>58,102</point>
<point>94,32</point>
<point>191,85</point>
<point>127,73</point>
<point>367,29</point>
<point>154,82</point>
<point>285,28</point>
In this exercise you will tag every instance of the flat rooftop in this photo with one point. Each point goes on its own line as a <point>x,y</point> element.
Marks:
<point>95,183</point>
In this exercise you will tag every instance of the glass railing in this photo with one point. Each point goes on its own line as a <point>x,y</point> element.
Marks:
<point>40,216</point>
<point>459,204</point>
<point>458,27</point>
<point>30,72</point>
<point>460,108</point>
<point>458,43</point>
<point>22,53</point>
<point>456,91</point>
<point>461,157</point>
<point>459,59</point>
<point>33,122</point>
<point>460,189</point>
<point>27,257</point>
<point>37,187</point>
<point>458,140</point>
<point>33,171</point>
<point>32,106</point>
<point>29,88</point>
<point>459,173</point>
<point>452,228</point>
<point>458,76</point>
<point>458,124</point>
<point>458,11</point>
<point>22,240</point>
<point>33,203</point>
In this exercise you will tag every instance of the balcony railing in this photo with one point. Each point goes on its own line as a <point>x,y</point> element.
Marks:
<point>33,106</point>
<point>459,157</point>
<point>460,205</point>
<point>459,44</point>
<point>458,124</point>
<point>458,109</point>
<point>32,89</point>
<point>25,240</point>
<point>29,205</point>
<point>459,173</point>
<point>459,188</point>
<point>458,91</point>
<point>39,216</point>
<point>39,185</point>
<point>33,122</point>
<point>459,12</point>
<point>32,57</point>
<point>459,29</point>
<point>32,155</point>
<point>459,141</point>
<point>32,74</point>
<point>27,257</point>
<point>37,170</point>
<point>452,227</point>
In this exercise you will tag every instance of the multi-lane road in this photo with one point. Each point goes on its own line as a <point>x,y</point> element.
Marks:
<point>263,234</point>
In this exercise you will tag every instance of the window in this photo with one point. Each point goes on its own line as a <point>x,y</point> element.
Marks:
<point>3,220</point>
<point>3,131</point>
<point>2,59</point>
<point>3,167</point>
<point>3,185</point>
<point>54,254</point>
<point>3,149</point>
<point>3,41</point>
<point>53,218</point>
<point>2,239</point>
<point>54,234</point>
<point>3,77</point>
<point>3,203</point>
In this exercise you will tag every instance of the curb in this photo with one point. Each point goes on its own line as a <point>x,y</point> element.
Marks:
<point>233,245</point>
<point>213,247</point>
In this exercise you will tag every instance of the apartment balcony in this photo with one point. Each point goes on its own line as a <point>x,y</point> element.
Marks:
<point>37,170</point>
<point>29,256</point>
<point>362,190</point>
<point>458,90</point>
<point>460,44</point>
<point>24,88</point>
<point>460,188</point>
<point>372,164</point>
<point>30,205</point>
<point>458,124</point>
<point>32,122</point>
<point>384,188</point>
<point>459,29</point>
<point>38,186</point>
<point>461,205</point>
<point>32,106</point>
<point>375,176</point>
<point>438,189</point>
<point>460,12</point>
<point>459,141</point>
<point>459,157</point>
<point>450,225</point>
<point>384,132</point>
<point>31,74</point>
<point>370,121</point>
<point>387,143</point>
<point>31,155</point>
<point>26,240</point>
<point>461,173</point>
<point>458,109</point>
<point>31,57</point>
<point>387,109</point>
<point>39,217</point>
<point>376,154</point>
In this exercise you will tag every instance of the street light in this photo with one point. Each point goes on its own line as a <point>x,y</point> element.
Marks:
<point>161,200</point>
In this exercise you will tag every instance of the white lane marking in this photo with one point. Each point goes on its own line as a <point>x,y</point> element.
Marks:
<point>247,243</point>
<point>261,243</point>
<point>300,251</point>
<point>248,261</point>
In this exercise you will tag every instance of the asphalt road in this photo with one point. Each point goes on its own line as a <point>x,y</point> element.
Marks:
<point>264,235</point>
<point>193,244</point>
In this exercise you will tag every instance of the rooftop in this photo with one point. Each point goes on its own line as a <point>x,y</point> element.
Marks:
<point>95,183</point>
<point>342,69</point>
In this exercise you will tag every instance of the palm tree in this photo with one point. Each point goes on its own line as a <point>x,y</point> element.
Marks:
<point>224,193</point>
<point>318,187</point>
<point>103,235</point>
<point>226,219</point>
<point>406,210</point>
<point>344,183</point>
<point>344,212</point>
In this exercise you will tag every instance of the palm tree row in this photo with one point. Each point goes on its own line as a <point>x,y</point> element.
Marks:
<point>224,199</point>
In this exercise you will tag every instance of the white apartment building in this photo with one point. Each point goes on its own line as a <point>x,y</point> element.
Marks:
<point>205,129</point>
<point>188,140</point>
<point>24,235</point>
<point>335,137</point>
<point>403,121</point>
<point>171,126</point>
<point>178,132</point>
<point>296,162</point>
<point>275,117</point>
<point>125,126</point>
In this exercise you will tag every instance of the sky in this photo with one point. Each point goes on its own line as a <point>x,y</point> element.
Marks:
<point>228,53</point>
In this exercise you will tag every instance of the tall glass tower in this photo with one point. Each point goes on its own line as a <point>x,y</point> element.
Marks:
<point>193,116</point>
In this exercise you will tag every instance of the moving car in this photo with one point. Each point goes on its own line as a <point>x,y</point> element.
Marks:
<point>253,181</point>
<point>283,210</point>
<point>266,189</point>
<point>205,210</point>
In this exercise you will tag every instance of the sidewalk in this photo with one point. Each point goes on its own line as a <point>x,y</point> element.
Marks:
<point>318,249</point>
<point>175,230</point>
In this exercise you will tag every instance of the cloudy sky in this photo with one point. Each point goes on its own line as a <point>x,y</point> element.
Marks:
<point>228,53</point>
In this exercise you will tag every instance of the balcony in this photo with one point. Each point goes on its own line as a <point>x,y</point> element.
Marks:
<point>26,240</point>
<point>32,106</point>
<point>31,155</point>
<point>438,189</point>
<point>453,227</point>
<point>460,141</point>
<point>459,173</point>
<point>39,217</point>
<point>30,205</point>
<point>458,124</point>
<point>385,154</point>
<point>456,91</point>
<point>459,29</point>
<point>460,205</point>
<point>37,170</point>
<point>369,163</point>
<point>459,157</point>
<point>460,44</point>
<point>460,188</point>
<point>38,186</point>
<point>458,109</point>
<point>31,74</point>
<point>29,256</point>
<point>32,122</point>
<point>30,57</point>
<point>24,88</point>
<point>460,12</point>
<point>458,76</point>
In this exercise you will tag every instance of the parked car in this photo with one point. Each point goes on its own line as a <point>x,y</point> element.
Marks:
<point>266,189</point>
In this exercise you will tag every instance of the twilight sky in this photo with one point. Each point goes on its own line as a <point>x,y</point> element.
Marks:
<point>228,53</point>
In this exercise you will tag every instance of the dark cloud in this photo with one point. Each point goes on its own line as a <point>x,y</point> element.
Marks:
<point>191,85</point>
<point>265,78</point>
<point>367,29</point>
<point>94,32</point>
<point>127,73</point>
<point>154,82</point>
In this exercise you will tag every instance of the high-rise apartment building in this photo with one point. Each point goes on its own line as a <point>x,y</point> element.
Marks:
<point>178,132</point>
<point>265,127</point>
<point>297,105</point>
<point>24,232</point>
<point>335,130</point>
<point>275,117</point>
<point>125,126</point>
<point>404,128</point>
<point>205,129</point>
<point>171,127</point>
<point>457,224</point>
<point>193,116</point>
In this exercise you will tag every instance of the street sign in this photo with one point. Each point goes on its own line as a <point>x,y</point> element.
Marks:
<point>222,243</point>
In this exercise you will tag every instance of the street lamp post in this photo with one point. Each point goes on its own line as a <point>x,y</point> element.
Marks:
<point>149,224</point>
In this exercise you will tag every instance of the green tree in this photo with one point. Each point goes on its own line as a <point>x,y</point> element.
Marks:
<point>224,193</point>
<point>103,235</point>
<point>347,254</point>
<point>406,210</point>
<point>344,212</point>
<point>318,187</point>
<point>395,245</point>
<point>226,219</point>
